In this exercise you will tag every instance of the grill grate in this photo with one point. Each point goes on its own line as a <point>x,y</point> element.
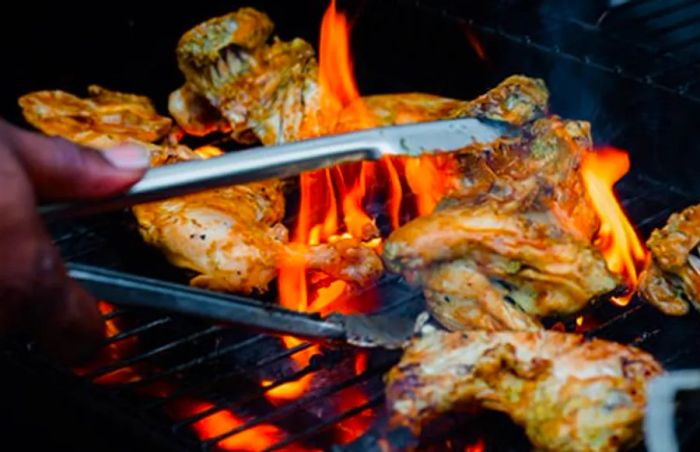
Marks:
<point>653,42</point>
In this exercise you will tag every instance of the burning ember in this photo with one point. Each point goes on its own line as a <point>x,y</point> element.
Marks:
<point>623,251</point>
<point>221,422</point>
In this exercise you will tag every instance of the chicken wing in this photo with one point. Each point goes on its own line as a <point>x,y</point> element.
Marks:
<point>672,279</point>
<point>569,393</point>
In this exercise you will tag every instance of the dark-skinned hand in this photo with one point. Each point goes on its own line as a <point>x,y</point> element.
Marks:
<point>36,296</point>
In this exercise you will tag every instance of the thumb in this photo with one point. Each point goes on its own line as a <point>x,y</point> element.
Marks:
<point>62,170</point>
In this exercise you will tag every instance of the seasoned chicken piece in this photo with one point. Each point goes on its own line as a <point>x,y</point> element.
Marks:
<point>110,114</point>
<point>194,114</point>
<point>234,239</point>
<point>345,259</point>
<point>487,267</point>
<point>231,236</point>
<point>672,279</point>
<point>392,109</point>
<point>512,242</point>
<point>537,171</point>
<point>268,90</point>
<point>567,392</point>
<point>517,100</point>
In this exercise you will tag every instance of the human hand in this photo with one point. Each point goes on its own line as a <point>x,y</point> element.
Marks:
<point>36,296</point>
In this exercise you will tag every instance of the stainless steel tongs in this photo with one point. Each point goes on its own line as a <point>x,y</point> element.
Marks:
<point>387,331</point>
<point>290,159</point>
<point>259,164</point>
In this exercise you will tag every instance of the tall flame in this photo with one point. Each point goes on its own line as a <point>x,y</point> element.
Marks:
<point>338,87</point>
<point>623,251</point>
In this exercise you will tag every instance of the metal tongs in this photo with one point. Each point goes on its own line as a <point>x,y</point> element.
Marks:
<point>291,159</point>
<point>259,164</point>
<point>386,331</point>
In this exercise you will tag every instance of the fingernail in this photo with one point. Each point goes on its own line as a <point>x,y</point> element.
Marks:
<point>128,156</point>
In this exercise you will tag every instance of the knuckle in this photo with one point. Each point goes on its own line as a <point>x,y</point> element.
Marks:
<point>69,155</point>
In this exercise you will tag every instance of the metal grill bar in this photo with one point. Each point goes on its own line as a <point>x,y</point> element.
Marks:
<point>114,314</point>
<point>615,29</point>
<point>327,423</point>
<point>152,353</point>
<point>211,356</point>
<point>199,389</point>
<point>292,406</point>
<point>648,10</point>
<point>137,330</point>
<point>223,403</point>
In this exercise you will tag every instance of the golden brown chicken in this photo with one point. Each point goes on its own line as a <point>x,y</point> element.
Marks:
<point>569,393</point>
<point>105,114</point>
<point>232,236</point>
<point>485,267</point>
<point>517,99</point>
<point>671,281</point>
<point>266,91</point>
<point>512,241</point>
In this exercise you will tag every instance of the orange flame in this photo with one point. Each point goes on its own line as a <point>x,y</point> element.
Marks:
<point>218,423</point>
<point>476,447</point>
<point>208,151</point>
<point>618,241</point>
<point>425,176</point>
<point>319,207</point>
<point>338,87</point>
<point>351,428</point>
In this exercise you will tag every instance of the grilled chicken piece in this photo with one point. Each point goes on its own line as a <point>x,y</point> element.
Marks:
<point>269,91</point>
<point>194,114</point>
<point>512,242</point>
<point>569,393</point>
<point>231,236</point>
<point>234,239</point>
<point>105,113</point>
<point>672,279</point>
<point>484,267</point>
<point>517,100</point>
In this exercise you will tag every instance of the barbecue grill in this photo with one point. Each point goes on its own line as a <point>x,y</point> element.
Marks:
<point>630,69</point>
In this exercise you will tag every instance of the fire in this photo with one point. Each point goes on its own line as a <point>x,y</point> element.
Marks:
<point>623,251</point>
<point>425,176</point>
<point>353,427</point>
<point>259,437</point>
<point>217,423</point>
<point>114,351</point>
<point>476,447</point>
<point>338,87</point>
<point>208,151</point>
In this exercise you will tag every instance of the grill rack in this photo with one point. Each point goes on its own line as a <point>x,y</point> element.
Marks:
<point>223,366</point>
<point>622,41</point>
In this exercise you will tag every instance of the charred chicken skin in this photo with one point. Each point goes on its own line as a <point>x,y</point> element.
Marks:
<point>671,281</point>
<point>567,392</point>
